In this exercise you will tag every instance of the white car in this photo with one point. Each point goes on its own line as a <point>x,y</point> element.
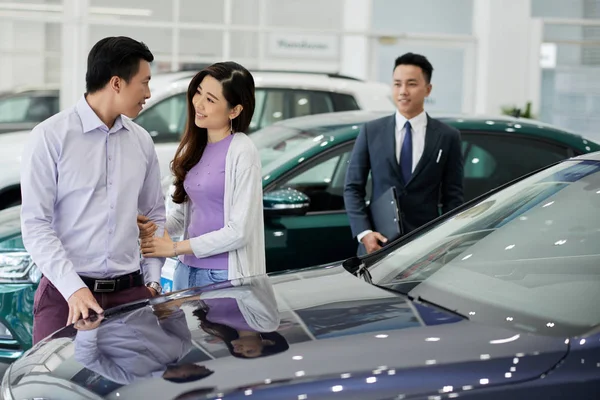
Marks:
<point>279,95</point>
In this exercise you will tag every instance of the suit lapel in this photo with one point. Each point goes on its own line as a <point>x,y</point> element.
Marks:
<point>432,138</point>
<point>390,146</point>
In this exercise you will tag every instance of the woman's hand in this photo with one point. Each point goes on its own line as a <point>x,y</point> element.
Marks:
<point>158,246</point>
<point>147,228</point>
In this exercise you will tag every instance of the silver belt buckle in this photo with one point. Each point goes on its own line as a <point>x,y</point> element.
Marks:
<point>104,286</point>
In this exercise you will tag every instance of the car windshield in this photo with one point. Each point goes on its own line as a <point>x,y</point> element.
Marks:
<point>526,256</point>
<point>278,144</point>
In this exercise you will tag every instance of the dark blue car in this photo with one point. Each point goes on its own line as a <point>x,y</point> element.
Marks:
<point>497,300</point>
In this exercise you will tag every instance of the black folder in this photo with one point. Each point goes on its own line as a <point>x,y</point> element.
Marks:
<point>385,215</point>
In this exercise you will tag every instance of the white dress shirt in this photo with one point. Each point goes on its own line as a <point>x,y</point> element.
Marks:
<point>82,186</point>
<point>418,128</point>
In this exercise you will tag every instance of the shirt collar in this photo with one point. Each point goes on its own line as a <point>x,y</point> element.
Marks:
<point>90,121</point>
<point>418,121</point>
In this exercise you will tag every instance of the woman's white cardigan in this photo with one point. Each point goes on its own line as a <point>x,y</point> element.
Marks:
<point>243,233</point>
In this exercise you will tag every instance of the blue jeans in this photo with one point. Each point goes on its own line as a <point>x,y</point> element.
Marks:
<point>186,277</point>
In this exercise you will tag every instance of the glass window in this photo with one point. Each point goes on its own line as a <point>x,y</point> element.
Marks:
<point>492,160</point>
<point>322,180</point>
<point>518,253</point>
<point>11,243</point>
<point>165,120</point>
<point>14,109</point>
<point>274,105</point>
<point>41,108</point>
<point>309,103</point>
<point>259,98</point>
<point>280,144</point>
<point>10,230</point>
<point>274,109</point>
<point>344,102</point>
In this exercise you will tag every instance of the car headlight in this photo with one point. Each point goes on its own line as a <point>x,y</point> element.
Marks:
<point>18,267</point>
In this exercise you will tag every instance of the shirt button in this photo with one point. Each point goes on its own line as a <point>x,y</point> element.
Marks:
<point>109,183</point>
<point>110,231</point>
<point>109,158</point>
<point>112,206</point>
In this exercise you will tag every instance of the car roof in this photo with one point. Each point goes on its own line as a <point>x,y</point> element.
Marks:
<point>499,124</point>
<point>365,92</point>
<point>36,90</point>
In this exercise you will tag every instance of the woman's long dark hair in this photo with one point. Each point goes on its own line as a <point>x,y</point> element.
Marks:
<point>228,335</point>
<point>238,88</point>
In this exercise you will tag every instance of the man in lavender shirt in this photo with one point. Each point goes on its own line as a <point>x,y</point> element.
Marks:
<point>87,172</point>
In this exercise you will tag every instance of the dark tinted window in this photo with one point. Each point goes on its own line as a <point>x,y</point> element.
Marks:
<point>495,159</point>
<point>344,102</point>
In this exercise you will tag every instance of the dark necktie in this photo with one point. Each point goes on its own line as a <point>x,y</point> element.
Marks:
<point>406,159</point>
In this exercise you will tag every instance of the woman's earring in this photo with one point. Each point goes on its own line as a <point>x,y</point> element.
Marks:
<point>231,124</point>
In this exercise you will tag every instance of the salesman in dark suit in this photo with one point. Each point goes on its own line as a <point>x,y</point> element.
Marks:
<point>417,154</point>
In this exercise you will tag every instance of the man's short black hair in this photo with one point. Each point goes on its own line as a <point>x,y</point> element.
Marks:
<point>417,60</point>
<point>114,56</point>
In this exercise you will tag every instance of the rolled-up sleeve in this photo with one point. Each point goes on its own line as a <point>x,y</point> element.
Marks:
<point>38,191</point>
<point>151,203</point>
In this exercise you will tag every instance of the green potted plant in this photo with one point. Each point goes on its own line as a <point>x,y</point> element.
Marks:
<point>519,112</point>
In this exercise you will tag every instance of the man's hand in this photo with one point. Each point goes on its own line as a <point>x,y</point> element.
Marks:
<point>152,291</point>
<point>89,324</point>
<point>79,304</point>
<point>372,241</point>
<point>146,227</point>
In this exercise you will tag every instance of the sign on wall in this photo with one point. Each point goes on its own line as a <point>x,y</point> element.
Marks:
<point>548,55</point>
<point>303,46</point>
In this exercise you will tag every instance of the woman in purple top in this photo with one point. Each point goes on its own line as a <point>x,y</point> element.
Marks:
<point>218,185</point>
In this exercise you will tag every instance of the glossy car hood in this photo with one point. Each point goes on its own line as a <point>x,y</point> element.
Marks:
<point>321,330</point>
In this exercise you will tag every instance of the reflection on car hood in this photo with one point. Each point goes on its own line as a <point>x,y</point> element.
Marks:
<point>317,330</point>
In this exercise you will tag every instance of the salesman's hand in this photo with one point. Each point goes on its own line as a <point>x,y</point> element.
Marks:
<point>80,303</point>
<point>146,227</point>
<point>372,241</point>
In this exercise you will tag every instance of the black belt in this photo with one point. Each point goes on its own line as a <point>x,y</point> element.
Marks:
<point>114,284</point>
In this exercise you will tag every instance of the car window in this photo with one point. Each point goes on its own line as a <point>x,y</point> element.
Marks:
<point>273,109</point>
<point>260,96</point>
<point>14,109</point>
<point>322,180</point>
<point>41,108</point>
<point>274,105</point>
<point>279,144</point>
<point>10,230</point>
<point>165,120</point>
<point>11,243</point>
<point>492,160</point>
<point>344,102</point>
<point>309,103</point>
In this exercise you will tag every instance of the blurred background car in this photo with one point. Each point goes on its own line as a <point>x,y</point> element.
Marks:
<point>280,95</point>
<point>24,108</point>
